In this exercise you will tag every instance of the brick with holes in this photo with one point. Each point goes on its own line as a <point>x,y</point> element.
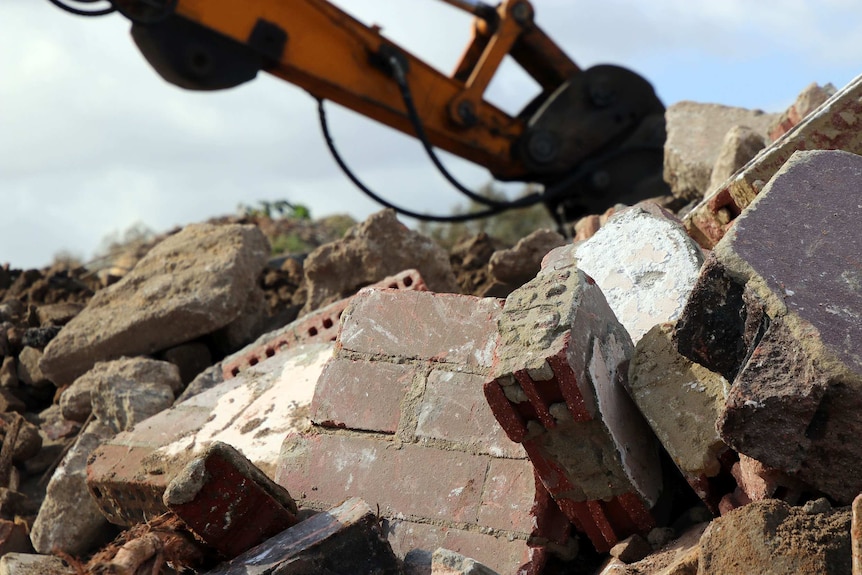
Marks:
<point>319,326</point>
<point>556,387</point>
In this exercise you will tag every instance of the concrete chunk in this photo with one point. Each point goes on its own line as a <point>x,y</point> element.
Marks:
<point>645,265</point>
<point>29,564</point>
<point>189,285</point>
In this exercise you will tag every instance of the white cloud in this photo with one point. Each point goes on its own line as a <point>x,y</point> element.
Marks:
<point>92,140</point>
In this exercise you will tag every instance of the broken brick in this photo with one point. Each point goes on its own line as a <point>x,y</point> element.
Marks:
<point>228,502</point>
<point>556,386</point>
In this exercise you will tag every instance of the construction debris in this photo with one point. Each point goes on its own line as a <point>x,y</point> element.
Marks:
<point>635,405</point>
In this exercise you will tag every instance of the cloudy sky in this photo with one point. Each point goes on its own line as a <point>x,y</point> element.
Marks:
<point>92,141</point>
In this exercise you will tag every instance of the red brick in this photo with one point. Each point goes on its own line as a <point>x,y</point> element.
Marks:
<point>229,503</point>
<point>413,480</point>
<point>319,326</point>
<point>500,553</point>
<point>454,409</point>
<point>361,394</point>
<point>449,328</point>
<point>509,495</point>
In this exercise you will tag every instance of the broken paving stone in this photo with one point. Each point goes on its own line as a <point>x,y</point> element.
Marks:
<point>797,390</point>
<point>557,387</point>
<point>252,412</point>
<point>832,126</point>
<point>378,247</point>
<point>31,564</point>
<point>228,502</point>
<point>681,401</point>
<point>772,537</point>
<point>69,519</point>
<point>645,265</point>
<point>694,138</point>
<point>192,283</point>
<point>346,540</point>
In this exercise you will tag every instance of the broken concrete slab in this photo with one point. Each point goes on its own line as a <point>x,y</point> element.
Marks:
<point>645,265</point>
<point>832,126</point>
<point>346,540</point>
<point>252,412</point>
<point>694,138</point>
<point>556,386</point>
<point>796,370</point>
<point>365,255</point>
<point>69,519</point>
<point>228,502</point>
<point>192,283</point>
<point>681,400</point>
<point>425,356</point>
<point>773,537</point>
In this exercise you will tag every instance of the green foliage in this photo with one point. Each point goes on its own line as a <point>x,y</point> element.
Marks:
<point>289,244</point>
<point>282,209</point>
<point>508,227</point>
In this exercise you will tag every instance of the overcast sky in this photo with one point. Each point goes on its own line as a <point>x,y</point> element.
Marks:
<point>92,140</point>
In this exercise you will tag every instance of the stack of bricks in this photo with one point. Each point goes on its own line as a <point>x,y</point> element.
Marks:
<point>557,387</point>
<point>400,420</point>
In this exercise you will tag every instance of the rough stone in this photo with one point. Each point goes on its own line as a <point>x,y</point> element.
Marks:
<point>797,383</point>
<point>856,535</point>
<point>556,386</point>
<point>346,540</point>
<point>679,557</point>
<point>631,549</point>
<point>28,442</point>
<point>69,519</point>
<point>681,400</point>
<point>29,372</point>
<point>446,562</point>
<point>694,139</point>
<point>740,145</point>
<point>832,126</point>
<point>645,265</point>
<point>9,372</point>
<point>772,537</point>
<point>57,313</point>
<point>121,404</point>
<point>192,283</point>
<point>367,253</point>
<point>520,264</point>
<point>811,98</point>
<point>10,402</point>
<point>29,564</point>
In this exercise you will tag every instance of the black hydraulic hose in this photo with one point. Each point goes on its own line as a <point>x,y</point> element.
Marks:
<point>324,126</point>
<point>80,11</point>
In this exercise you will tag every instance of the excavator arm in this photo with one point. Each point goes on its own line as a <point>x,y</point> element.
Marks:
<point>591,137</point>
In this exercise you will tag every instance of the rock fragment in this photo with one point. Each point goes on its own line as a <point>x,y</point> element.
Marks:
<point>192,283</point>
<point>30,564</point>
<point>694,140</point>
<point>378,247</point>
<point>795,367</point>
<point>772,537</point>
<point>740,145</point>
<point>516,266</point>
<point>446,562</point>
<point>811,98</point>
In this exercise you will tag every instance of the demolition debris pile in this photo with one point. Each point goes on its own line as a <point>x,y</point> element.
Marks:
<point>668,394</point>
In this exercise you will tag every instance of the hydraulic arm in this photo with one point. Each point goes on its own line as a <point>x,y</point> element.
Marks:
<point>593,137</point>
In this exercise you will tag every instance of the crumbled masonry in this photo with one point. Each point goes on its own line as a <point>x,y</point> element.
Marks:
<point>652,397</point>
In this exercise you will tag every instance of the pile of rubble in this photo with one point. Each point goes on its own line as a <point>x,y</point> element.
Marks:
<point>662,396</point>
